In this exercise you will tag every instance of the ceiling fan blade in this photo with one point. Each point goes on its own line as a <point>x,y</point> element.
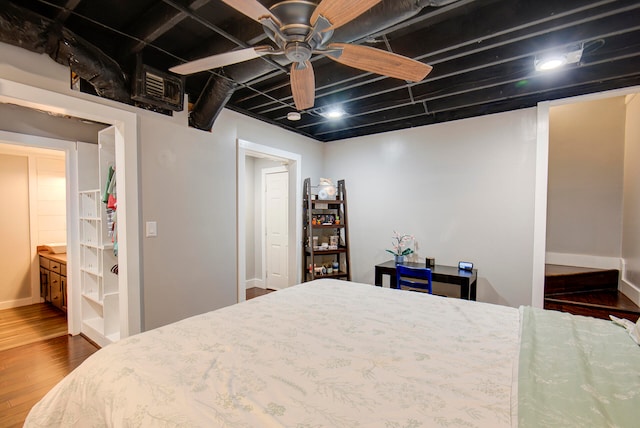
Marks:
<point>380,62</point>
<point>251,8</point>
<point>339,12</point>
<point>303,85</point>
<point>220,60</point>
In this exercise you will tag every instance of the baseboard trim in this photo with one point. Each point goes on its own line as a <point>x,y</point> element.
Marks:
<point>16,303</point>
<point>85,337</point>
<point>630,291</point>
<point>255,282</point>
<point>583,260</point>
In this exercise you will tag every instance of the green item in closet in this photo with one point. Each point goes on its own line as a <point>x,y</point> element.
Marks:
<point>105,195</point>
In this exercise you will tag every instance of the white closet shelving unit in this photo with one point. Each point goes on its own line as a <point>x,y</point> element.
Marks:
<point>99,286</point>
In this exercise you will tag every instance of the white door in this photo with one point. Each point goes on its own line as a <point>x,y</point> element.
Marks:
<point>276,229</point>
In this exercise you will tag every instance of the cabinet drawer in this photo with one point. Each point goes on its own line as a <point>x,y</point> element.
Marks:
<point>54,266</point>
<point>44,262</point>
<point>63,269</point>
<point>56,290</point>
<point>44,284</point>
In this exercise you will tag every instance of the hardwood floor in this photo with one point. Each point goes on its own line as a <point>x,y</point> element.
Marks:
<point>35,353</point>
<point>28,372</point>
<point>256,291</point>
<point>29,324</point>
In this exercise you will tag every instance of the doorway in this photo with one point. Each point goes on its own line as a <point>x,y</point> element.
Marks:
<point>541,186</point>
<point>276,226</point>
<point>35,214</point>
<point>253,161</point>
<point>127,155</point>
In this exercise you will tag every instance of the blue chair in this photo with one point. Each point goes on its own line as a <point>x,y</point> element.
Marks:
<point>407,276</point>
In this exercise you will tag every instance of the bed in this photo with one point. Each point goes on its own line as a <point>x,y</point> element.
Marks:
<point>331,353</point>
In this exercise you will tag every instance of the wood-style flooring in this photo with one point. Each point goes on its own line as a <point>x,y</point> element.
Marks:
<point>255,292</point>
<point>29,324</point>
<point>35,353</point>
<point>31,362</point>
<point>28,372</point>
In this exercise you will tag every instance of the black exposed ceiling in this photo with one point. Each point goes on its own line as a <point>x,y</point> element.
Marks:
<point>482,52</point>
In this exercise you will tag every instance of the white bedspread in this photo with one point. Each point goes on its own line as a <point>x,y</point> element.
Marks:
<point>322,354</point>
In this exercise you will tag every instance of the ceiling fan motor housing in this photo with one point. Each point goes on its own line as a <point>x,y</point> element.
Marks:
<point>296,36</point>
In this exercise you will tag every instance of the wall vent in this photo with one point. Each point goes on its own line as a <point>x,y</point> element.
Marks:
<point>157,88</point>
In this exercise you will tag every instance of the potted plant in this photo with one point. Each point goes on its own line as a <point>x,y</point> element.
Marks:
<point>401,246</point>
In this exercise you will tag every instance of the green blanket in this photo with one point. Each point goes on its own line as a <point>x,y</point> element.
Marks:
<point>576,372</point>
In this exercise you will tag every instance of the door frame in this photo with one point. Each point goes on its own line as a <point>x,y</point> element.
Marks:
<point>128,202</point>
<point>539,247</point>
<point>248,149</point>
<point>263,240</point>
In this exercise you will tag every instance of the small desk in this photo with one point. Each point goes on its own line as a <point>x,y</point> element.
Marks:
<point>467,280</point>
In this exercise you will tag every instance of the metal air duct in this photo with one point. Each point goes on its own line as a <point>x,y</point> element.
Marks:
<point>28,30</point>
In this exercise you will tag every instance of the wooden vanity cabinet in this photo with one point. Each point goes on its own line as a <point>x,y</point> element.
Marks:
<point>53,279</point>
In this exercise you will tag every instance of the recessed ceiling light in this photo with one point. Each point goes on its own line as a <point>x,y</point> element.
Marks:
<point>550,63</point>
<point>293,115</point>
<point>333,113</point>
<point>552,60</point>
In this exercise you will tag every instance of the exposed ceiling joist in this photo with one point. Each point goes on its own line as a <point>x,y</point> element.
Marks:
<point>483,54</point>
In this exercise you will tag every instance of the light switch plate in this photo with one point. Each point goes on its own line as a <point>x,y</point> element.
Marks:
<point>152,229</point>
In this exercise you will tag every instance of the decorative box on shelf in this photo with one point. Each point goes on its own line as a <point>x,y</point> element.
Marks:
<point>325,247</point>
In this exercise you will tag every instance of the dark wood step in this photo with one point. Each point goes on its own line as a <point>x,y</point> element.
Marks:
<point>570,279</point>
<point>597,304</point>
<point>587,291</point>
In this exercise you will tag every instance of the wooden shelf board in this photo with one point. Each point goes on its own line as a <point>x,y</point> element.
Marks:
<point>326,252</point>
<point>327,201</point>
<point>330,275</point>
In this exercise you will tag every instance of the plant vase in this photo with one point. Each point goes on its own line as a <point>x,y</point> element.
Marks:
<point>399,259</point>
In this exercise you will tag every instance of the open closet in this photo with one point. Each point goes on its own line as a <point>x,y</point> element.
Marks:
<point>97,226</point>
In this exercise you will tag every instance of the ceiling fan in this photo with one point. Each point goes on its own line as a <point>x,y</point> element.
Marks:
<point>301,28</point>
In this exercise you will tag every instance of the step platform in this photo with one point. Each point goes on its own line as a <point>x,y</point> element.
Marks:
<point>587,291</point>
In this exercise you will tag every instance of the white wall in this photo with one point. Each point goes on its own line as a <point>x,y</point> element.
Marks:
<point>15,252</point>
<point>465,189</point>
<point>188,187</point>
<point>631,214</point>
<point>51,200</point>
<point>585,185</point>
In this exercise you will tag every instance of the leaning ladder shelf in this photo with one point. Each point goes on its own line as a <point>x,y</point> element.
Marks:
<point>324,219</point>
